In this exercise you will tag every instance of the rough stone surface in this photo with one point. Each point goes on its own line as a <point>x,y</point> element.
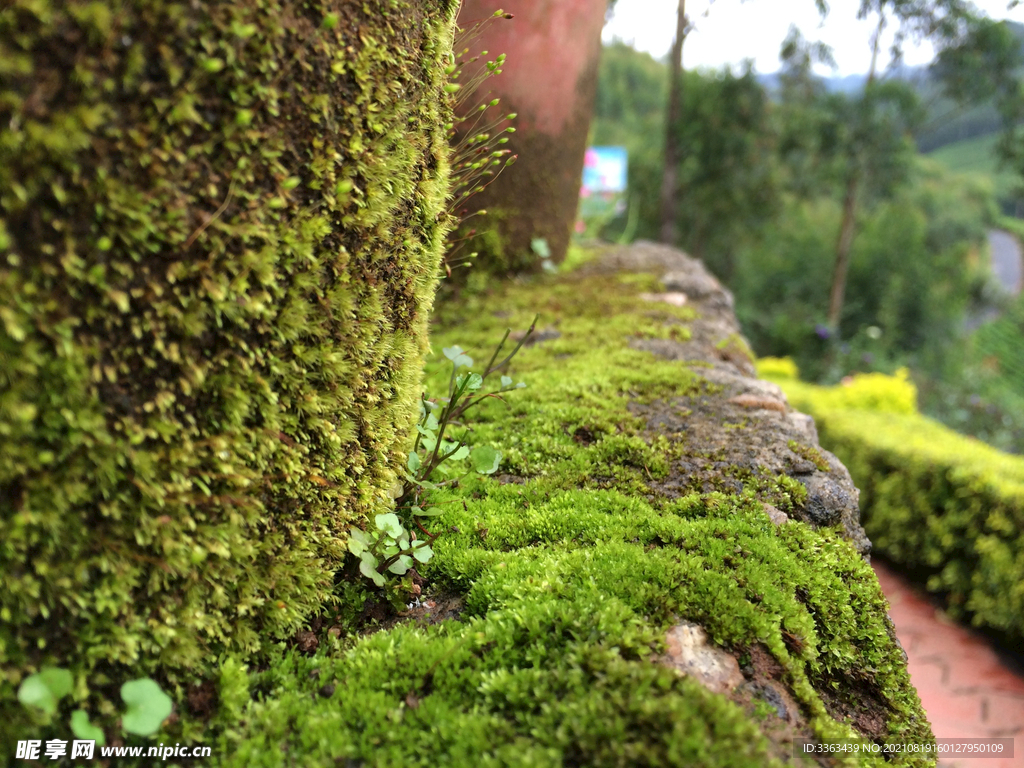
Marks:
<point>690,653</point>
<point>740,427</point>
<point>675,298</point>
<point>776,515</point>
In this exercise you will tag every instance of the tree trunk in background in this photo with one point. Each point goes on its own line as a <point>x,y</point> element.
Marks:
<point>846,228</point>
<point>673,152</point>
<point>843,246</point>
<point>220,231</point>
<point>550,81</point>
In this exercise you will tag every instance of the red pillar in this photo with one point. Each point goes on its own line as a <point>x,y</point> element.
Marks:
<point>549,80</point>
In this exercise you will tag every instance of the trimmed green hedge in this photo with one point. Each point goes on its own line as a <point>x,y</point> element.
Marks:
<point>220,230</point>
<point>933,500</point>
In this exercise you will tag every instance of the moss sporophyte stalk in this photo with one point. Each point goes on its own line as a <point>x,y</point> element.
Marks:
<point>477,137</point>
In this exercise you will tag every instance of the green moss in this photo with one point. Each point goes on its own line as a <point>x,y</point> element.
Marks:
<point>221,226</point>
<point>735,345</point>
<point>569,581</point>
<point>810,453</point>
<point>943,505</point>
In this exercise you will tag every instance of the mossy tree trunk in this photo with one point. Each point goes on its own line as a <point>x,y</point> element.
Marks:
<point>549,81</point>
<point>220,229</point>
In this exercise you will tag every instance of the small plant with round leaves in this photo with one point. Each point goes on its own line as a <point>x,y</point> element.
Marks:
<point>388,548</point>
<point>146,705</point>
<point>438,459</point>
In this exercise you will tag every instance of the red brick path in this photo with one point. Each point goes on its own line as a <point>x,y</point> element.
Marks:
<point>966,689</point>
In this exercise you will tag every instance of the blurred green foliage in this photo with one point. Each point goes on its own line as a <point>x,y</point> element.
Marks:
<point>983,395</point>
<point>728,180</point>
<point>914,269</point>
<point>767,177</point>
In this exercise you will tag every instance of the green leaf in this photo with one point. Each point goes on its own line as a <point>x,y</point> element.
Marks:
<point>429,437</point>
<point>428,512</point>
<point>473,382</point>
<point>506,381</point>
<point>458,356</point>
<point>370,560</point>
<point>485,459</point>
<point>358,541</point>
<point>360,535</point>
<point>83,729</point>
<point>420,483</point>
<point>423,553</point>
<point>390,524</point>
<point>431,422</point>
<point>401,565</point>
<point>368,568</point>
<point>148,707</point>
<point>45,688</point>
<point>458,455</point>
<point>356,547</point>
<point>414,462</point>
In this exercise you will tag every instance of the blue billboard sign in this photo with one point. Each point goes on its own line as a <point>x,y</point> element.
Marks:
<point>604,170</point>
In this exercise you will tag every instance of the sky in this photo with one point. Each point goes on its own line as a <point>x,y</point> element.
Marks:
<point>730,31</point>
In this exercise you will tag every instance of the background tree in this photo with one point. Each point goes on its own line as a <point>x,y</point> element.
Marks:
<point>869,144</point>
<point>673,120</point>
<point>985,67</point>
<point>727,179</point>
<point>552,48</point>
<point>893,106</point>
<point>728,176</point>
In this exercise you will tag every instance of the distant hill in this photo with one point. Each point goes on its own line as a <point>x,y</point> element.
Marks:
<point>977,155</point>
<point>946,122</point>
<point>844,83</point>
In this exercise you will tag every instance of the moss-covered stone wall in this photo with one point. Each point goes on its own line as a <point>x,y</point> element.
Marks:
<point>220,228</point>
<point>666,570</point>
